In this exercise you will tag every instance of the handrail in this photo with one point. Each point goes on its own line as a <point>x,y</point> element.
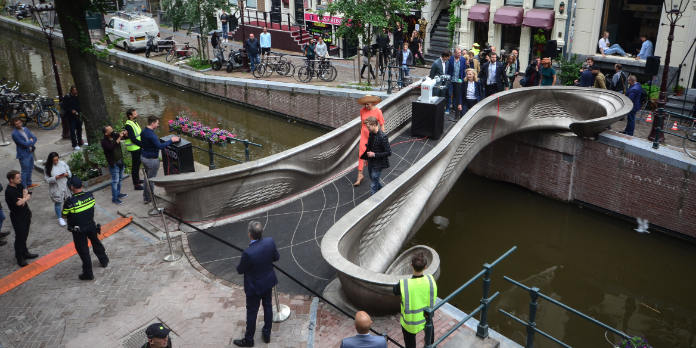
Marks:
<point>482,329</point>
<point>535,294</point>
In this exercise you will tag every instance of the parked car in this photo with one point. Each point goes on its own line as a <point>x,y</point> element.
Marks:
<point>131,29</point>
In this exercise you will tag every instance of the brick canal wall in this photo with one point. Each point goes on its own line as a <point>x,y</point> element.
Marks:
<point>619,174</point>
<point>323,106</point>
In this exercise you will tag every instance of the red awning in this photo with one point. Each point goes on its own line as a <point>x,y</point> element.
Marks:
<point>538,18</point>
<point>479,13</point>
<point>509,15</point>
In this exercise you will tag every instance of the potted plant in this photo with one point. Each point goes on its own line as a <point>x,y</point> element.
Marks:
<point>679,90</point>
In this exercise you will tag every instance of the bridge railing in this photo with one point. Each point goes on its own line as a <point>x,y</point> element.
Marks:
<point>662,126</point>
<point>482,328</point>
<point>534,295</point>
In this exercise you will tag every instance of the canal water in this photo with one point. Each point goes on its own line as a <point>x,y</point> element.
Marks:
<point>643,284</point>
<point>28,61</point>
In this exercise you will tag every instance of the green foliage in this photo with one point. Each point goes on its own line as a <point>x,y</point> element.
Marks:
<point>368,17</point>
<point>454,19</point>
<point>198,63</point>
<point>569,69</point>
<point>652,91</point>
<point>195,13</point>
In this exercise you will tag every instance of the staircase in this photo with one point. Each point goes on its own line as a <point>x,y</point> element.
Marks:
<point>291,39</point>
<point>439,37</point>
<point>300,35</point>
<point>685,102</point>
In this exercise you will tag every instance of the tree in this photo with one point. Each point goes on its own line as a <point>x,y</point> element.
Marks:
<point>83,64</point>
<point>198,14</point>
<point>365,18</point>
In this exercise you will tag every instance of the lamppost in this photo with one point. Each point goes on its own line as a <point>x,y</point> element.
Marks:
<point>673,15</point>
<point>45,15</point>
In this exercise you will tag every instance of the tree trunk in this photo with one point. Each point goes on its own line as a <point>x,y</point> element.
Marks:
<point>83,65</point>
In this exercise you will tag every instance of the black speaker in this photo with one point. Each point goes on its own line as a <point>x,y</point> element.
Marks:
<point>652,65</point>
<point>551,49</point>
<point>428,119</point>
<point>178,157</point>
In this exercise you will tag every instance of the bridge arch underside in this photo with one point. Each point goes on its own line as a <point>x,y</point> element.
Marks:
<point>334,229</point>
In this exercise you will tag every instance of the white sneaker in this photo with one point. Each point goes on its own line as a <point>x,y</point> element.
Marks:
<point>85,144</point>
<point>76,148</point>
<point>61,222</point>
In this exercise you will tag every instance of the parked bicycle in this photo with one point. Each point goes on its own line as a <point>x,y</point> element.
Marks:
<point>321,68</point>
<point>28,107</point>
<point>182,51</point>
<point>270,63</point>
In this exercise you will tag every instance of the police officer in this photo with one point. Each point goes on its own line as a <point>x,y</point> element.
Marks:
<point>417,293</point>
<point>78,210</point>
<point>157,336</point>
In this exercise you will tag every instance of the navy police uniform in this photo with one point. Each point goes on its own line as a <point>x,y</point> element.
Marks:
<point>79,212</point>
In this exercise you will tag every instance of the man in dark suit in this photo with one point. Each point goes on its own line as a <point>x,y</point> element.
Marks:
<point>492,75</point>
<point>456,69</point>
<point>439,66</point>
<point>259,279</point>
<point>363,339</point>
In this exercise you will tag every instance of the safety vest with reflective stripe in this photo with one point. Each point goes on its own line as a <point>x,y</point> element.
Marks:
<point>79,210</point>
<point>416,295</point>
<point>130,146</point>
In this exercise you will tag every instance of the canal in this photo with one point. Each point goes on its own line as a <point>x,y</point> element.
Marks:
<point>29,62</point>
<point>640,283</point>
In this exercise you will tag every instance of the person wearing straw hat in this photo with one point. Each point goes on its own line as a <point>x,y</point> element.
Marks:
<point>369,108</point>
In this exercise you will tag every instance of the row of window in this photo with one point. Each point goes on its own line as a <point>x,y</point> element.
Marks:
<point>537,3</point>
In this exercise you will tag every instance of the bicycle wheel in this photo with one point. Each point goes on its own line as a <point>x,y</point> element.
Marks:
<point>193,52</point>
<point>170,55</point>
<point>259,70</point>
<point>328,74</point>
<point>304,74</point>
<point>269,70</point>
<point>283,68</point>
<point>48,118</point>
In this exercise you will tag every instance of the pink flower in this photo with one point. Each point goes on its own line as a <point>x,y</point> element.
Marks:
<point>216,129</point>
<point>223,138</point>
<point>171,122</point>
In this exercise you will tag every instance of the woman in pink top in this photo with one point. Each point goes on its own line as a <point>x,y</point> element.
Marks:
<point>369,109</point>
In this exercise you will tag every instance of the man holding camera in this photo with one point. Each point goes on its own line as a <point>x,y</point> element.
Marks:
<point>111,144</point>
<point>78,210</point>
<point>17,197</point>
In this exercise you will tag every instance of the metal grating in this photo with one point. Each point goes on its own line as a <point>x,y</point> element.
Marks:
<point>137,337</point>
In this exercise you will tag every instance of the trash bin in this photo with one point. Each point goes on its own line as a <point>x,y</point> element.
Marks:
<point>178,157</point>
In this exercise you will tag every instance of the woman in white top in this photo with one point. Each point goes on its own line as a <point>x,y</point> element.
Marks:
<point>56,173</point>
<point>472,92</point>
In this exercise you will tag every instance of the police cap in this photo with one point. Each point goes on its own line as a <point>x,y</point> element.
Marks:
<point>157,330</point>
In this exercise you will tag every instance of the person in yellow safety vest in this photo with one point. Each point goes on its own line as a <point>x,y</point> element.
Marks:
<point>476,49</point>
<point>417,293</point>
<point>133,146</point>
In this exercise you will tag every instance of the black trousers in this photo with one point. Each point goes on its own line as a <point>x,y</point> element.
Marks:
<point>370,70</point>
<point>491,89</point>
<point>252,307</point>
<point>76,130</point>
<point>457,96</point>
<point>383,59</point>
<point>20,224</point>
<point>410,339</point>
<point>80,238</point>
<point>135,166</point>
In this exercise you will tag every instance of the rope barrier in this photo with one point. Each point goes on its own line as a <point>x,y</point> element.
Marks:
<point>281,271</point>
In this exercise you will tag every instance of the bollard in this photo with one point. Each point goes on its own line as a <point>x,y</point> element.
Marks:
<point>211,156</point>
<point>246,150</point>
<point>429,328</point>
<point>389,80</point>
<point>534,296</point>
<point>2,138</point>
<point>282,312</point>
<point>482,328</point>
<point>172,256</point>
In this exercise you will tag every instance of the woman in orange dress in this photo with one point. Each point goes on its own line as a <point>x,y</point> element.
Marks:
<point>369,109</point>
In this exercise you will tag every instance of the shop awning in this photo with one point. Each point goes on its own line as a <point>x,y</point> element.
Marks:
<point>479,13</point>
<point>538,18</point>
<point>509,15</point>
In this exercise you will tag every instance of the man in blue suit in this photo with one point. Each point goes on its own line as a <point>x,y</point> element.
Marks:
<point>633,92</point>
<point>363,339</point>
<point>456,69</point>
<point>26,143</point>
<point>259,279</point>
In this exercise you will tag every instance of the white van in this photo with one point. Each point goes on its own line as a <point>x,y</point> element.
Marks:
<point>132,29</point>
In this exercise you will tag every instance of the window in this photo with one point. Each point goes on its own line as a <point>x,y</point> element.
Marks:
<point>484,1</point>
<point>516,2</point>
<point>251,3</point>
<point>544,4</point>
<point>111,24</point>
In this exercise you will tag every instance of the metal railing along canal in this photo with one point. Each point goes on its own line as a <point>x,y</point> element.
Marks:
<point>482,328</point>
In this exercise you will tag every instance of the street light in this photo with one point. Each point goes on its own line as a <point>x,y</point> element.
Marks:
<point>45,15</point>
<point>674,13</point>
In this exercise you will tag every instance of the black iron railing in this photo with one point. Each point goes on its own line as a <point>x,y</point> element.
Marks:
<point>271,20</point>
<point>684,123</point>
<point>482,328</point>
<point>534,295</point>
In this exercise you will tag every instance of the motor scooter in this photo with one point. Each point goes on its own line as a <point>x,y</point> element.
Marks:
<point>155,44</point>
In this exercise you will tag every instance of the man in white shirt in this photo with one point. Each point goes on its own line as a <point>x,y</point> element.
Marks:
<point>322,51</point>
<point>605,49</point>
<point>265,42</point>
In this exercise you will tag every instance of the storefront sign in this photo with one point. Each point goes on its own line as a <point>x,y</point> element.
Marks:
<point>313,17</point>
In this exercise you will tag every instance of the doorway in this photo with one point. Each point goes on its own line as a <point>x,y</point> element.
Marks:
<point>510,38</point>
<point>626,20</point>
<point>481,33</point>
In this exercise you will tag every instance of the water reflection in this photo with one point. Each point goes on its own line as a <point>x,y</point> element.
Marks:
<point>642,284</point>
<point>28,61</point>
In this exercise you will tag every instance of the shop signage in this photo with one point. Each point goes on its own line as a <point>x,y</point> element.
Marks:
<point>313,17</point>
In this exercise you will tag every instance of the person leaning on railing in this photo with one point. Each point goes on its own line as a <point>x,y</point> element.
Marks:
<point>151,147</point>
